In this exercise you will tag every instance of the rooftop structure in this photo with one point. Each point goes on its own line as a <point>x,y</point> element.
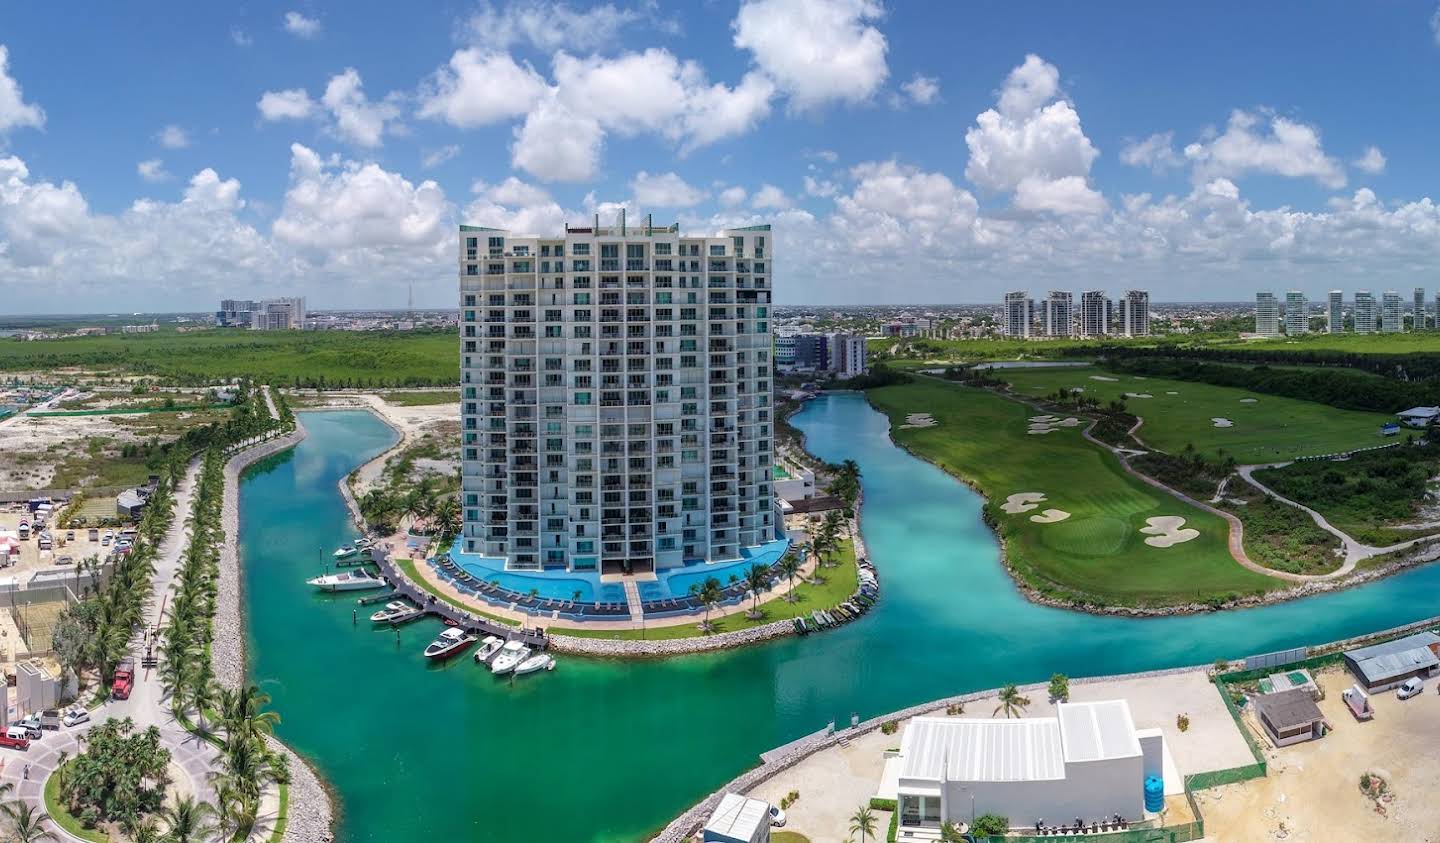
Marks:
<point>1289,717</point>
<point>1383,666</point>
<point>738,819</point>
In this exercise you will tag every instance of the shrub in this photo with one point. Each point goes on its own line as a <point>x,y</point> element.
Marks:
<point>990,824</point>
<point>955,709</point>
<point>889,727</point>
<point>1183,722</point>
<point>1060,688</point>
<point>789,799</point>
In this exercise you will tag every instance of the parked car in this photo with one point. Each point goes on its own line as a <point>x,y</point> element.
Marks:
<point>31,725</point>
<point>50,719</point>
<point>75,716</point>
<point>1411,687</point>
<point>777,816</point>
<point>7,739</point>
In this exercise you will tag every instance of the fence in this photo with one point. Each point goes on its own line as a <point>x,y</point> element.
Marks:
<point>1276,659</point>
<point>35,611</point>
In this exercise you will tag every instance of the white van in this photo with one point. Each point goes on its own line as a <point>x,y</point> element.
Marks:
<point>1411,687</point>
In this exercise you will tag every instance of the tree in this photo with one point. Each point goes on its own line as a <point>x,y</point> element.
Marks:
<point>1059,688</point>
<point>709,593</point>
<point>790,566</point>
<point>757,578</point>
<point>1011,702</point>
<point>990,825</point>
<point>120,777</point>
<point>862,822</point>
<point>26,823</point>
<point>188,820</point>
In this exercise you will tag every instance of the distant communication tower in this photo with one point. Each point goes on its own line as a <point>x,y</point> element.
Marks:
<point>410,303</point>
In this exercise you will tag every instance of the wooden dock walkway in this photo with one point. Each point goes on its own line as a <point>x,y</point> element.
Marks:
<point>534,639</point>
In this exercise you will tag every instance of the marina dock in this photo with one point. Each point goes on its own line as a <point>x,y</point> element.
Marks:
<point>433,605</point>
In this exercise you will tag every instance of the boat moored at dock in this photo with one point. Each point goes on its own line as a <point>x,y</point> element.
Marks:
<point>451,641</point>
<point>397,612</point>
<point>354,580</point>
<point>509,657</point>
<point>488,648</point>
<point>539,661</point>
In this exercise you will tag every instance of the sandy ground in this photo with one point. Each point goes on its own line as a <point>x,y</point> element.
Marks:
<point>834,782</point>
<point>1022,502</point>
<point>1313,788</point>
<point>412,422</point>
<point>1168,531</point>
<point>30,447</point>
<point>32,558</point>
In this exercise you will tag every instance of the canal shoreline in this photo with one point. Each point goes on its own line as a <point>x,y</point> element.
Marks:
<point>1422,556</point>
<point>311,808</point>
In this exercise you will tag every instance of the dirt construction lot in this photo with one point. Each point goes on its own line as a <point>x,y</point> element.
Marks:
<point>1313,789</point>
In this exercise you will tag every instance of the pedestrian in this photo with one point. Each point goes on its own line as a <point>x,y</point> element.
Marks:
<point>27,772</point>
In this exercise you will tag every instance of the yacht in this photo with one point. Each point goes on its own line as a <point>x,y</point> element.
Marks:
<point>539,661</point>
<point>451,641</point>
<point>396,611</point>
<point>353,580</point>
<point>345,551</point>
<point>509,656</point>
<point>488,648</point>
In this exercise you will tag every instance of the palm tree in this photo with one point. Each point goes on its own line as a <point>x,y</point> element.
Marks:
<point>188,820</point>
<point>447,518</point>
<point>1011,702</point>
<point>27,823</point>
<point>862,822</point>
<point>758,579</point>
<point>709,594</point>
<point>790,566</point>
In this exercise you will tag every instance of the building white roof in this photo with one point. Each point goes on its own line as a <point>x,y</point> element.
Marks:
<point>1024,749</point>
<point>948,749</point>
<point>1420,413</point>
<point>1095,731</point>
<point>738,817</point>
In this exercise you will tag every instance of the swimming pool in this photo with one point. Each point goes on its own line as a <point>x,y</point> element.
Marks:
<point>566,585</point>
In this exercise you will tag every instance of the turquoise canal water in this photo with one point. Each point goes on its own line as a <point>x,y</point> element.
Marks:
<point>607,751</point>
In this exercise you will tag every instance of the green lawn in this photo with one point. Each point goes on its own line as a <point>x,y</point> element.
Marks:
<point>840,583</point>
<point>1097,554</point>
<point>67,821</point>
<point>1269,429</point>
<point>422,399</point>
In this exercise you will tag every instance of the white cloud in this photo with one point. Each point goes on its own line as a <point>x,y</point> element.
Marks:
<point>152,170</point>
<point>15,112</point>
<point>730,197</point>
<point>555,144</point>
<point>895,207</point>
<point>1265,143</point>
<point>1435,26</point>
<point>291,104</point>
<point>769,196</point>
<point>923,90</point>
<point>300,26</point>
<point>1034,139</point>
<point>432,158</point>
<point>1372,161</point>
<point>516,206</point>
<point>353,116</point>
<point>1156,152</point>
<point>820,187</point>
<point>816,51</point>
<point>664,190</point>
<point>173,137</point>
<point>547,25</point>
<point>477,88</point>
<point>240,37</point>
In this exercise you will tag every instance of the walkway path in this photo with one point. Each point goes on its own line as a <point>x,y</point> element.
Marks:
<point>1355,550</point>
<point>270,401</point>
<point>632,599</point>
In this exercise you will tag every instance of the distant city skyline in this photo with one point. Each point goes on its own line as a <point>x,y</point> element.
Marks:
<point>905,153</point>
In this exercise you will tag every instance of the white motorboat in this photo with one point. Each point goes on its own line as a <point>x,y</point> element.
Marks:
<point>353,580</point>
<point>345,551</point>
<point>488,648</point>
<point>539,661</point>
<point>509,656</point>
<point>365,543</point>
<point>396,611</point>
<point>451,641</point>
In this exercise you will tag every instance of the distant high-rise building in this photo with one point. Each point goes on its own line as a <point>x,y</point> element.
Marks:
<point>1297,313</point>
<point>1019,312</point>
<point>1335,312</point>
<point>1392,313</point>
<point>847,355</point>
<point>1059,313</point>
<point>1267,315</point>
<point>1417,321</point>
<point>265,315</point>
<point>1132,314</point>
<point>1094,313</point>
<point>1364,314</point>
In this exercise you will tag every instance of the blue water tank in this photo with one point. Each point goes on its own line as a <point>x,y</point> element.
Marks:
<point>1154,794</point>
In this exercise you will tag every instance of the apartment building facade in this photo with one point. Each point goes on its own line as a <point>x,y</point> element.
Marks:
<point>1019,314</point>
<point>1364,314</point>
<point>1297,313</point>
<point>1132,314</point>
<point>1267,315</point>
<point>1059,313</point>
<point>1094,313</point>
<point>615,396</point>
<point>1335,312</point>
<point>1392,313</point>
<point>1417,321</point>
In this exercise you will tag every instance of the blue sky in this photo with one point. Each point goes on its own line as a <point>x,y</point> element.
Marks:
<point>917,152</point>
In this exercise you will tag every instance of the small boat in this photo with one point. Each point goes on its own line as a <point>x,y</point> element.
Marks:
<point>488,648</point>
<point>365,543</point>
<point>396,611</point>
<point>509,656</point>
<point>451,641</point>
<point>354,580</point>
<point>345,551</point>
<point>539,661</point>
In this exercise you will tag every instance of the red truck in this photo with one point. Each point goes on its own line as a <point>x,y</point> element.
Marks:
<point>14,743</point>
<point>124,679</point>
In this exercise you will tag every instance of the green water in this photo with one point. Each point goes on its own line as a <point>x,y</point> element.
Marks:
<point>601,751</point>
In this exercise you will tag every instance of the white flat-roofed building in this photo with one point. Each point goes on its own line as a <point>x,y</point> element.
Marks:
<point>615,396</point>
<point>738,819</point>
<point>1059,313</point>
<point>1019,312</point>
<point>1392,313</point>
<point>1297,313</point>
<point>1364,312</point>
<point>1088,762</point>
<point>1132,314</point>
<point>1094,314</point>
<point>1267,315</point>
<point>1417,320</point>
<point>1335,312</point>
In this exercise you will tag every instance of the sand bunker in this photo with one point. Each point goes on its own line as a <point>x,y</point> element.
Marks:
<point>1034,431</point>
<point>1050,424</point>
<point>1050,516</point>
<point>1168,531</point>
<point>1103,378</point>
<point>1138,395</point>
<point>1171,392</point>
<point>1042,419</point>
<point>1069,421</point>
<point>1022,502</point>
<point>1248,400</point>
<point>918,420</point>
<point>1222,422</point>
